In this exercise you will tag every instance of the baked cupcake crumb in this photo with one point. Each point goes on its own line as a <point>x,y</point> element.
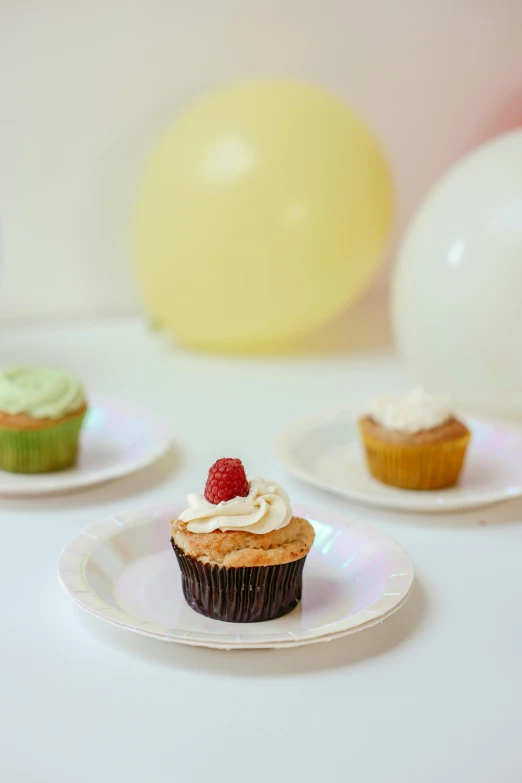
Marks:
<point>239,549</point>
<point>450,429</point>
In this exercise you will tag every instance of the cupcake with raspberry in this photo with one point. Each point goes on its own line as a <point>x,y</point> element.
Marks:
<point>414,442</point>
<point>42,410</point>
<point>240,549</point>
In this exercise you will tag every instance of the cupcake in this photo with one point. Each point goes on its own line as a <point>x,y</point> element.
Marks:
<point>41,414</point>
<point>414,442</point>
<point>240,549</point>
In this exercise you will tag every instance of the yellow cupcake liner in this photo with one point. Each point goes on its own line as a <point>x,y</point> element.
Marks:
<point>416,466</point>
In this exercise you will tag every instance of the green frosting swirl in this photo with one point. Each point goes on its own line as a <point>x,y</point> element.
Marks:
<point>41,392</point>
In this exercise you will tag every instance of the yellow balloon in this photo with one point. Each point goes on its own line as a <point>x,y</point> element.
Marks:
<point>262,213</point>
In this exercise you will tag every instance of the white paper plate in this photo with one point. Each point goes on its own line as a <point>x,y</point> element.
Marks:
<point>123,570</point>
<point>326,451</point>
<point>116,439</point>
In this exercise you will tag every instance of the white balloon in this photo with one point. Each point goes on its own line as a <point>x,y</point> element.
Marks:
<point>457,287</point>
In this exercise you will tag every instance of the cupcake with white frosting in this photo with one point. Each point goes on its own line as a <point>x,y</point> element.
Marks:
<point>240,548</point>
<point>414,442</point>
<point>41,413</point>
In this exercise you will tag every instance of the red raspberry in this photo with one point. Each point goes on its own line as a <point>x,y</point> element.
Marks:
<point>226,480</point>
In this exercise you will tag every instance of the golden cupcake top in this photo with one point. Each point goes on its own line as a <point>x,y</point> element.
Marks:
<point>241,522</point>
<point>238,549</point>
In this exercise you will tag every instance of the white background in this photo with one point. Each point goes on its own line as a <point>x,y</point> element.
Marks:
<point>432,695</point>
<point>85,88</point>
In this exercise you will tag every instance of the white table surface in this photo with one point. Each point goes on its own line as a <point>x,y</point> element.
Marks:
<point>433,694</point>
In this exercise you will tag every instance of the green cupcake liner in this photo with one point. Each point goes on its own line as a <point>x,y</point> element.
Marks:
<point>40,451</point>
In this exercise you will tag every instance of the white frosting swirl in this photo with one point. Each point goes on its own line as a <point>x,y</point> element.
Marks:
<point>265,508</point>
<point>413,413</point>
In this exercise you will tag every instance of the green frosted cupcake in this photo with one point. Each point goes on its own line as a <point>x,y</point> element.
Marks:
<point>41,414</point>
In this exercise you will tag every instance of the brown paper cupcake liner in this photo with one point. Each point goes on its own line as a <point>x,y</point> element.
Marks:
<point>240,595</point>
<point>422,466</point>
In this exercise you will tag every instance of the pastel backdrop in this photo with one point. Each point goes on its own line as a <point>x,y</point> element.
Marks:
<point>87,88</point>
